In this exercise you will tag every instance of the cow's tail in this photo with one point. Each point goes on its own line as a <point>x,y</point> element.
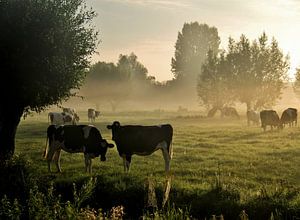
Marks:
<point>46,148</point>
<point>171,150</point>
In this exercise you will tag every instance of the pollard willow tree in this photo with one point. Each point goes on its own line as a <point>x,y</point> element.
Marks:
<point>252,73</point>
<point>45,49</point>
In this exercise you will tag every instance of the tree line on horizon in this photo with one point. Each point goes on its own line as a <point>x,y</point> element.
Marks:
<point>249,72</point>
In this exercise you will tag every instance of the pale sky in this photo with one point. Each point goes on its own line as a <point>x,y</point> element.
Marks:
<point>149,28</point>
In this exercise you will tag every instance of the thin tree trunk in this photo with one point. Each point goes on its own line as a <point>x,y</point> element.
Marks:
<point>9,121</point>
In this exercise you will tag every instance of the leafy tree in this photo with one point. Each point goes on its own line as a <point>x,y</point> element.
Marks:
<point>259,70</point>
<point>214,89</point>
<point>132,68</point>
<point>252,73</point>
<point>117,81</point>
<point>191,48</point>
<point>45,46</point>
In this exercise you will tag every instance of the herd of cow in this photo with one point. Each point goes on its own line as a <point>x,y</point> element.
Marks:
<point>272,119</point>
<point>68,116</point>
<point>129,139</point>
<point>87,139</point>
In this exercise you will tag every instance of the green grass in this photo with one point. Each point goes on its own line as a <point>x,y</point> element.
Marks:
<point>245,162</point>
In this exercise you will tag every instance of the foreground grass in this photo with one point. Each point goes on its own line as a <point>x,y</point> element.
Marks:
<point>217,164</point>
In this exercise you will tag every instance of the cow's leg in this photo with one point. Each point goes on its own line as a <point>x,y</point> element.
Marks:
<point>88,163</point>
<point>49,156</point>
<point>126,162</point>
<point>57,160</point>
<point>166,155</point>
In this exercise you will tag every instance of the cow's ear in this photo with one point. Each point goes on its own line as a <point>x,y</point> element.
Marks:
<point>109,127</point>
<point>116,124</point>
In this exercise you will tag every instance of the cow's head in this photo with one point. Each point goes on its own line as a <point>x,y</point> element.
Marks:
<point>103,149</point>
<point>114,127</point>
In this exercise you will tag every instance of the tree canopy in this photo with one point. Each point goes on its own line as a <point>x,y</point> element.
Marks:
<point>127,79</point>
<point>192,45</point>
<point>45,46</point>
<point>250,72</point>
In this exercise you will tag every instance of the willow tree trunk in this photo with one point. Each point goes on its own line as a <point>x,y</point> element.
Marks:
<point>9,121</point>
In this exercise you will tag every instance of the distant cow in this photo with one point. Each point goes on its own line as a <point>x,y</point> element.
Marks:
<point>71,111</point>
<point>74,139</point>
<point>271,118</point>
<point>252,116</point>
<point>289,116</point>
<point>229,112</point>
<point>92,114</point>
<point>61,118</point>
<point>142,140</point>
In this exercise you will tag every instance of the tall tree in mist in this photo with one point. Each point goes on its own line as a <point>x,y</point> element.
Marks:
<point>259,70</point>
<point>250,72</point>
<point>214,83</point>
<point>191,48</point>
<point>116,81</point>
<point>45,46</point>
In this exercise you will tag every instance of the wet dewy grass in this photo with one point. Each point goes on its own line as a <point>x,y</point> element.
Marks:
<point>243,160</point>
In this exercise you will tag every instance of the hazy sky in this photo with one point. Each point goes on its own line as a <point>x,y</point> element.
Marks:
<point>149,28</point>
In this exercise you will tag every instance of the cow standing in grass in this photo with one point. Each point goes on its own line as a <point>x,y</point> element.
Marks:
<point>270,118</point>
<point>92,115</point>
<point>62,118</point>
<point>289,116</point>
<point>75,139</point>
<point>142,140</point>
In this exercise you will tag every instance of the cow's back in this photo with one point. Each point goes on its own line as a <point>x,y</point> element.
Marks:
<point>142,139</point>
<point>289,115</point>
<point>269,117</point>
<point>73,136</point>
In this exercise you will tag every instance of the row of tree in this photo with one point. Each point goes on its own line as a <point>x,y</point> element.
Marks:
<point>251,72</point>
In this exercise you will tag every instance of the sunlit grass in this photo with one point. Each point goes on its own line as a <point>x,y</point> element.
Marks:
<point>244,159</point>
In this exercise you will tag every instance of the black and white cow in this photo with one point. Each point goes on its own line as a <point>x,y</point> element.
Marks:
<point>92,114</point>
<point>271,118</point>
<point>289,116</point>
<point>75,139</point>
<point>71,111</point>
<point>62,118</point>
<point>142,140</point>
<point>252,116</point>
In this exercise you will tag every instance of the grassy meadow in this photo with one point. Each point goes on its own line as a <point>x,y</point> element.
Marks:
<point>219,166</point>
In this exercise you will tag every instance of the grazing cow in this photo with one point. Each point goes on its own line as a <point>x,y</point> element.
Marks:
<point>289,116</point>
<point>142,140</point>
<point>92,114</point>
<point>71,111</point>
<point>61,118</point>
<point>252,116</point>
<point>229,112</point>
<point>270,117</point>
<point>75,139</point>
